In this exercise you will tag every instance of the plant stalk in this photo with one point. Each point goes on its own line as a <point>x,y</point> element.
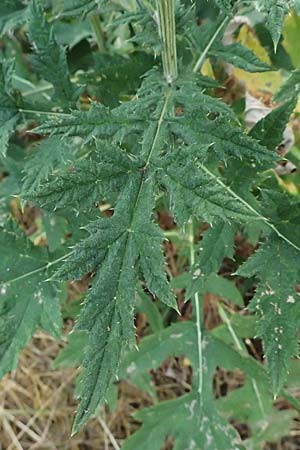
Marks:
<point>167,32</point>
<point>197,304</point>
<point>97,28</point>
<point>202,57</point>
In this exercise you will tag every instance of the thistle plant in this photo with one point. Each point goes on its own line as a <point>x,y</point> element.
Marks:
<point>129,127</point>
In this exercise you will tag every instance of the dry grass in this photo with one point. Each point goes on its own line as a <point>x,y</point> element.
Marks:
<point>37,405</point>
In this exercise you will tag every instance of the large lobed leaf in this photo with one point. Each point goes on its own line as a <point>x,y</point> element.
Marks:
<point>165,138</point>
<point>127,247</point>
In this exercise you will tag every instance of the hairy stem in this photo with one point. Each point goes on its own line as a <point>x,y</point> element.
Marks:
<point>197,304</point>
<point>167,32</point>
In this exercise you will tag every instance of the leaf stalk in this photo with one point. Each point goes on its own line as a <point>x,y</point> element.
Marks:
<point>202,57</point>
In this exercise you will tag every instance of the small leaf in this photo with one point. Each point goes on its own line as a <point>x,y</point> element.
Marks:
<point>216,244</point>
<point>269,130</point>
<point>13,13</point>
<point>50,59</point>
<point>9,114</point>
<point>241,57</point>
<point>82,183</point>
<point>49,156</point>
<point>275,11</point>
<point>27,301</point>
<point>290,88</point>
<point>277,304</point>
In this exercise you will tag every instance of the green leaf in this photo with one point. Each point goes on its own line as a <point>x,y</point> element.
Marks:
<point>269,130</point>
<point>295,4</point>
<point>56,228</point>
<point>146,306</point>
<point>253,404</point>
<point>196,421</point>
<point>243,326</point>
<point>100,175</point>
<point>224,288</point>
<point>71,355</point>
<point>290,88</point>
<point>225,5</point>
<point>13,13</point>
<point>126,242</point>
<point>205,120</point>
<point>194,189</point>
<point>156,348</point>
<point>9,115</point>
<point>177,340</point>
<point>277,426</point>
<point>117,250</point>
<point>210,432</point>
<point>275,11</point>
<point>49,156</point>
<point>224,139</point>
<point>118,76</point>
<point>27,300</point>
<point>98,121</point>
<point>216,244</point>
<point>50,59</point>
<point>291,38</point>
<point>275,301</point>
<point>75,7</point>
<point>241,57</point>
<point>134,150</point>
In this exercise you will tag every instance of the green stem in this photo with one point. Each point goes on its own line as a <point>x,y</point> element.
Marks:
<point>167,32</point>
<point>34,90</point>
<point>224,22</point>
<point>175,234</point>
<point>198,314</point>
<point>47,113</point>
<point>97,28</point>
<point>203,55</point>
<point>40,269</point>
<point>149,7</point>
<point>227,322</point>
